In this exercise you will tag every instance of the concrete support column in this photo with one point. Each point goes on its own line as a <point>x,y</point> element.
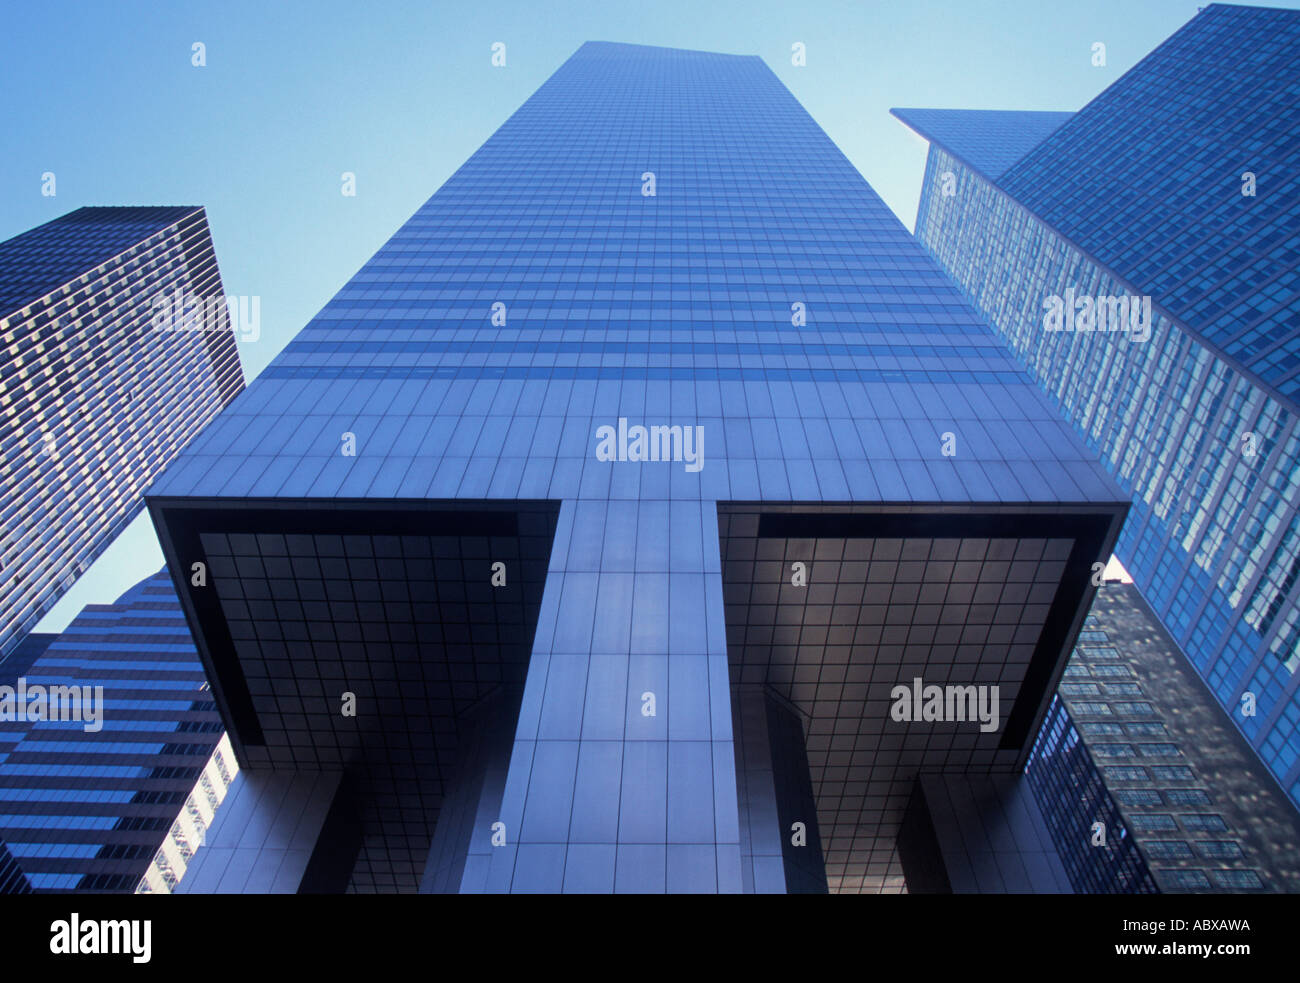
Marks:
<point>622,772</point>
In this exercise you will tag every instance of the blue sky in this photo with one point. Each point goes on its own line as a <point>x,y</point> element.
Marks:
<point>292,95</point>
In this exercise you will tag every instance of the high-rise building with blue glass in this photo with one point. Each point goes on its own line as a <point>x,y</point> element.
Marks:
<point>1139,257</point>
<point>116,350</point>
<point>118,796</point>
<point>649,514</point>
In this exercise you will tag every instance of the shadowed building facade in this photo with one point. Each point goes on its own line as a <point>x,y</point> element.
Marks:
<point>580,543</point>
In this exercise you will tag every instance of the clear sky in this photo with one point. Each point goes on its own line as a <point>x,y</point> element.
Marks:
<point>104,95</point>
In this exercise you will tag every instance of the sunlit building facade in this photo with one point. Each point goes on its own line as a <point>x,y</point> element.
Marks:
<point>108,366</point>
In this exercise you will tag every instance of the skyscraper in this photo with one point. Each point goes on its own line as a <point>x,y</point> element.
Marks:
<point>1188,791</point>
<point>123,793</point>
<point>615,527</point>
<point>117,350</point>
<point>1139,257</point>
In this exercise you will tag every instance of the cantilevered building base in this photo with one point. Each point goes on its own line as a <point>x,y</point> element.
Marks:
<point>358,638</point>
<point>371,644</point>
<point>955,596</point>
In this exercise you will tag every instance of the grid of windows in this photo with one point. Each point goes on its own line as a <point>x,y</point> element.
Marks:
<point>86,810</point>
<point>637,243</point>
<point>1184,232</point>
<point>410,625</point>
<point>886,611</point>
<point>1176,821</point>
<point>1074,798</point>
<point>1195,415</point>
<point>97,391</point>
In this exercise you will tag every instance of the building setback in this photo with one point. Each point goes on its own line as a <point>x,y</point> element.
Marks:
<point>102,380</point>
<point>471,628</point>
<point>1180,366</point>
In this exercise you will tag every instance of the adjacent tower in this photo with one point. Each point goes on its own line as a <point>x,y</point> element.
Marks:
<point>1140,258</point>
<point>117,350</point>
<point>116,797</point>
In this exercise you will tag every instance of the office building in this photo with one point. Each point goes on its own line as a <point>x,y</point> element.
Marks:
<point>1190,795</point>
<point>585,541</point>
<point>1139,258</point>
<point>1087,828</point>
<point>117,349</point>
<point>122,790</point>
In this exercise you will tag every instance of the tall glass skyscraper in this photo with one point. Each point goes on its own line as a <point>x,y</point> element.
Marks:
<point>614,527</point>
<point>1140,258</point>
<point>116,350</point>
<point>119,798</point>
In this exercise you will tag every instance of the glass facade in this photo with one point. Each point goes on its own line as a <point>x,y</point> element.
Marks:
<point>1213,104</point>
<point>12,878</point>
<point>87,805</point>
<point>652,399</point>
<point>97,390</point>
<point>1192,406</point>
<point>1067,782</point>
<point>189,831</point>
<point>1195,800</point>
